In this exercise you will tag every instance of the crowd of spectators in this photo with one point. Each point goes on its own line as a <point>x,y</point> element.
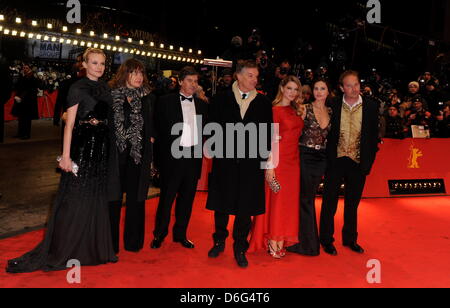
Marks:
<point>424,102</point>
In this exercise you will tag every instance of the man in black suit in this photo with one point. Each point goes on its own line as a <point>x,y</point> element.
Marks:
<point>179,176</point>
<point>236,183</point>
<point>352,147</point>
<point>5,94</point>
<point>26,106</point>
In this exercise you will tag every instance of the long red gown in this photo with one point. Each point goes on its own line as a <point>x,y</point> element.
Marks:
<point>282,219</point>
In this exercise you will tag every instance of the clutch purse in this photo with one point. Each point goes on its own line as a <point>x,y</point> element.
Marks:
<point>75,167</point>
<point>275,185</point>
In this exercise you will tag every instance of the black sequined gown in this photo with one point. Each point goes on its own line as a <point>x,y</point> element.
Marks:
<point>79,227</point>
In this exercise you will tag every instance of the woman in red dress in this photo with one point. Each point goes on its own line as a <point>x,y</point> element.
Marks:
<point>279,227</point>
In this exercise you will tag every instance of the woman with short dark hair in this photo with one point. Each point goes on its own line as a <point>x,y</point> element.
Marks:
<point>131,152</point>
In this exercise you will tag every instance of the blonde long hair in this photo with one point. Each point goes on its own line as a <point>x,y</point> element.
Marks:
<point>298,102</point>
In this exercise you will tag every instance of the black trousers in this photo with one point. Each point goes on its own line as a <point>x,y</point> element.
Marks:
<point>181,186</point>
<point>241,230</point>
<point>345,171</point>
<point>135,211</point>
<point>24,127</point>
<point>313,167</point>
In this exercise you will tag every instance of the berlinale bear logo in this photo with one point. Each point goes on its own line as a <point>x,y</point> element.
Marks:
<point>74,15</point>
<point>374,15</point>
<point>413,162</point>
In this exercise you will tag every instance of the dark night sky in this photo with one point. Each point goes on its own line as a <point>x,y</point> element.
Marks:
<point>209,25</point>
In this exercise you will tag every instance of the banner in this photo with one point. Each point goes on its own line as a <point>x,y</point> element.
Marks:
<point>409,159</point>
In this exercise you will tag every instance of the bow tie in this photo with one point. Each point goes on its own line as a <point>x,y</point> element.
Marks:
<point>244,96</point>
<point>184,98</point>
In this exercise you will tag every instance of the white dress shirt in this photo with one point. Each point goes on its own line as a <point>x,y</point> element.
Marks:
<point>189,137</point>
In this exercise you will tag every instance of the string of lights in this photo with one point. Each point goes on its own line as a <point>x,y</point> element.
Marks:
<point>114,43</point>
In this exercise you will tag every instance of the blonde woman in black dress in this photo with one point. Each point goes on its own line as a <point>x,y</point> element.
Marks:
<point>79,227</point>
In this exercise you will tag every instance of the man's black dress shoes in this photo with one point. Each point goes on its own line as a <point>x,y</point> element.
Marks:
<point>330,249</point>
<point>185,243</point>
<point>218,248</point>
<point>156,244</point>
<point>241,259</point>
<point>355,247</point>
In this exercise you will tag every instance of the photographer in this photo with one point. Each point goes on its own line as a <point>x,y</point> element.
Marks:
<point>235,52</point>
<point>419,116</point>
<point>442,127</point>
<point>412,96</point>
<point>433,96</point>
<point>281,73</point>
<point>226,81</point>
<point>393,125</point>
<point>308,77</point>
<point>266,71</point>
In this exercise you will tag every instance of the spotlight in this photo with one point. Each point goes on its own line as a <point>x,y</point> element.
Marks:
<point>117,38</point>
<point>34,23</point>
<point>199,52</point>
<point>2,17</point>
<point>105,36</point>
<point>161,46</point>
<point>141,42</point>
<point>65,29</point>
<point>171,47</point>
<point>22,34</point>
<point>152,44</point>
<point>92,33</point>
<point>130,40</point>
<point>78,31</point>
<point>181,49</point>
<point>49,26</point>
<point>190,50</point>
<point>30,35</point>
<point>18,20</point>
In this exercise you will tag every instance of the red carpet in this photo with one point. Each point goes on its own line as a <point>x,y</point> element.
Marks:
<point>410,237</point>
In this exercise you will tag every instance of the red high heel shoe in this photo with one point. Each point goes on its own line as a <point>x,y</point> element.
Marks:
<point>274,253</point>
